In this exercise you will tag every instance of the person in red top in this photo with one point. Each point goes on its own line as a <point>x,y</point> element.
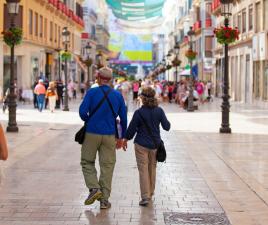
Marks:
<point>40,91</point>
<point>170,91</point>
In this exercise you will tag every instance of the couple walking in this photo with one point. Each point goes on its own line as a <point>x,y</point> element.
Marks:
<point>99,109</point>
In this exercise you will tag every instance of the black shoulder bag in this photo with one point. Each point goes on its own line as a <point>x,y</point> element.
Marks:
<point>80,135</point>
<point>161,154</point>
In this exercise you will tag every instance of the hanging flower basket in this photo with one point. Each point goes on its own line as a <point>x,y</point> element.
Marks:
<point>190,54</point>
<point>66,56</point>
<point>88,62</point>
<point>226,35</point>
<point>168,67</point>
<point>176,62</point>
<point>13,36</point>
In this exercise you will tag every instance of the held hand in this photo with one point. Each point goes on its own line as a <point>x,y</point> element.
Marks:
<point>125,144</point>
<point>119,143</point>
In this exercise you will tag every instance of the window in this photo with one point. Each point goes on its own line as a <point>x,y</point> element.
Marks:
<point>257,15</point>
<point>41,26</point>
<point>208,10</point>
<point>51,31</point>
<point>256,79</point>
<point>250,17</point>
<point>239,21</point>
<point>197,13</point>
<point>35,24</point>
<point>234,20</point>
<point>56,36</point>
<point>208,46</point>
<point>265,11</point>
<point>265,82</point>
<point>79,10</point>
<point>72,41</point>
<point>59,34</point>
<point>30,21</point>
<point>45,28</point>
<point>244,20</point>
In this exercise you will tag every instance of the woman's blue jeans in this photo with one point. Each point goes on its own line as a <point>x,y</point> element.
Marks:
<point>40,100</point>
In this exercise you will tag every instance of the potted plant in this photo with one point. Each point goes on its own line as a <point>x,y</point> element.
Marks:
<point>66,55</point>
<point>226,35</point>
<point>176,62</point>
<point>88,62</point>
<point>168,67</point>
<point>190,54</point>
<point>12,36</point>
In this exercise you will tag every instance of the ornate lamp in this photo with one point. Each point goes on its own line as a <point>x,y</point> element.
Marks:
<point>226,7</point>
<point>13,6</point>
<point>65,35</point>
<point>88,49</point>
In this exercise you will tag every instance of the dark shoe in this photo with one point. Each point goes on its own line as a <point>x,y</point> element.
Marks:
<point>105,204</point>
<point>95,194</point>
<point>144,202</point>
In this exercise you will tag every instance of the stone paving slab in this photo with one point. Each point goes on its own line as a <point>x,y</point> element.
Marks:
<point>44,184</point>
<point>205,171</point>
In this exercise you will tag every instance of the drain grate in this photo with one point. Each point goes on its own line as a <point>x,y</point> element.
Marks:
<point>173,218</point>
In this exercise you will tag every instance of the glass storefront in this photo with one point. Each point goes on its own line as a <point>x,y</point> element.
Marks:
<point>265,81</point>
<point>256,79</point>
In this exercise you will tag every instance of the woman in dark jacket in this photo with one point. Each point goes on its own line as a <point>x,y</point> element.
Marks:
<point>145,149</point>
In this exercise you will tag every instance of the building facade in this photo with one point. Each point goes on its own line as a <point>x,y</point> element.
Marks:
<point>38,55</point>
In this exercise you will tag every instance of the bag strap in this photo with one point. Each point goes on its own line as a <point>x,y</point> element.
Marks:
<point>112,109</point>
<point>100,103</point>
<point>148,129</point>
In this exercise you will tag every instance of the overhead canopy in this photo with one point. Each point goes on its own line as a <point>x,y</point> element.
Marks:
<point>134,10</point>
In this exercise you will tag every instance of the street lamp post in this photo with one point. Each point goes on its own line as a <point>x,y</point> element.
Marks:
<point>66,40</point>
<point>13,10</point>
<point>177,49</point>
<point>168,58</point>
<point>190,107</point>
<point>99,60</point>
<point>164,64</point>
<point>225,126</point>
<point>88,63</point>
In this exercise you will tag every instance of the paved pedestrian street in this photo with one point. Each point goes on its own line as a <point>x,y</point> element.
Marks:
<point>208,179</point>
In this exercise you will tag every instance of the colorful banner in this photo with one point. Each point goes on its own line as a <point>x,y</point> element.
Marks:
<point>129,47</point>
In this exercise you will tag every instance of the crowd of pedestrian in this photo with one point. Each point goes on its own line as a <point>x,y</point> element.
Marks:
<point>50,94</point>
<point>173,92</point>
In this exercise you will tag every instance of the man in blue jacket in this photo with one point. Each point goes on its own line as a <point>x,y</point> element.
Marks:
<point>100,137</point>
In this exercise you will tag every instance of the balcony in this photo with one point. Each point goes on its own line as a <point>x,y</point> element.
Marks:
<point>216,7</point>
<point>208,22</point>
<point>64,9</point>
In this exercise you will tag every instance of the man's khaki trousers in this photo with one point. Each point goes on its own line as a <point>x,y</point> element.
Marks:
<point>105,146</point>
<point>146,161</point>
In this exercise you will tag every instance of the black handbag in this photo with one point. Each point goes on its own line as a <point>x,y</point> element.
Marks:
<point>80,135</point>
<point>161,154</point>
